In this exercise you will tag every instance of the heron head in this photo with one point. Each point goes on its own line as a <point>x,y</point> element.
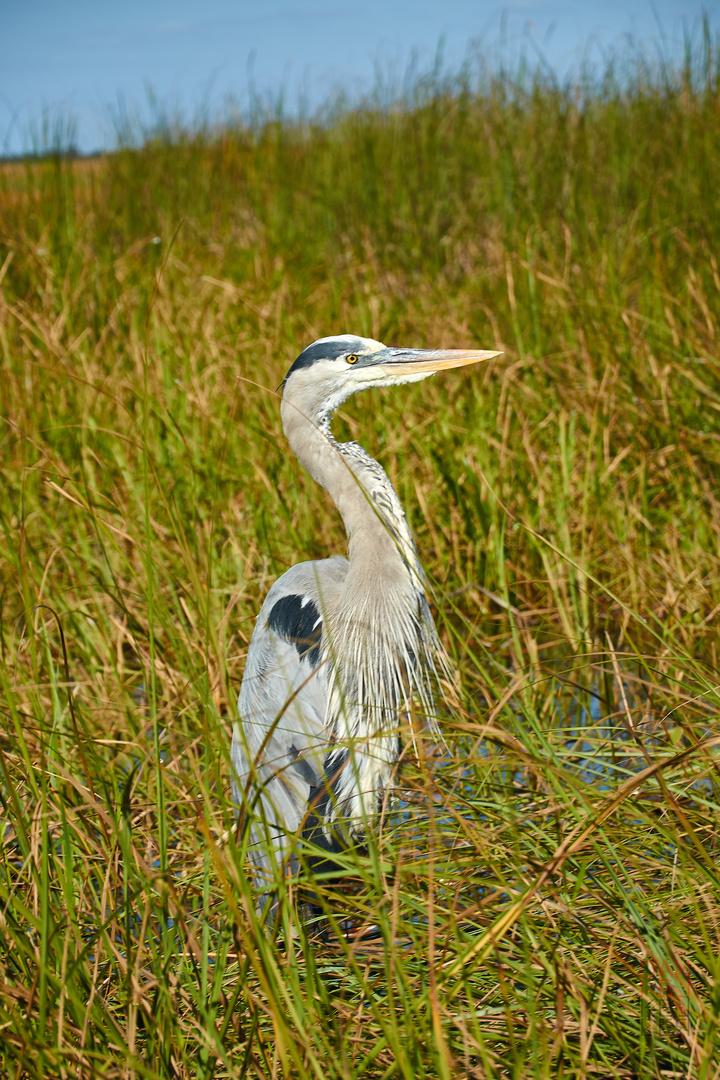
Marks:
<point>327,372</point>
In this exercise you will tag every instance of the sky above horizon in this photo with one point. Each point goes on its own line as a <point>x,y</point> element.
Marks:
<point>74,69</point>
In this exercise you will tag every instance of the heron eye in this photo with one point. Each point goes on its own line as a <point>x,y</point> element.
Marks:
<point>352,358</point>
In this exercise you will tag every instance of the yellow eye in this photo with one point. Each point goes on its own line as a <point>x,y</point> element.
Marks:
<point>351,359</point>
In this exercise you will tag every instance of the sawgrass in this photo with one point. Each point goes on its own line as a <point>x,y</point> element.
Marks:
<point>546,893</point>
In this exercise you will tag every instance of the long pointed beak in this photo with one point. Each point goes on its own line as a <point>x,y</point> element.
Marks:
<point>416,361</point>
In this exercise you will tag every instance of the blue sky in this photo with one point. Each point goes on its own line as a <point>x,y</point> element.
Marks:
<point>76,57</point>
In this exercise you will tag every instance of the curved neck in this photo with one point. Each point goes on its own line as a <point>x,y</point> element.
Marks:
<point>374,520</point>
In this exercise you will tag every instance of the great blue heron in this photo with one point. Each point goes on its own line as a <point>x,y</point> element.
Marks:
<point>341,646</point>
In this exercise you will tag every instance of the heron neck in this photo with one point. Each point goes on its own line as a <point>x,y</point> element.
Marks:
<point>378,536</point>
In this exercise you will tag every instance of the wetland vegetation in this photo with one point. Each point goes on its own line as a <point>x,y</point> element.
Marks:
<point>548,901</point>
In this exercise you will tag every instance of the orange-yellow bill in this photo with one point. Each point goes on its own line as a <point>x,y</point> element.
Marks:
<point>415,361</point>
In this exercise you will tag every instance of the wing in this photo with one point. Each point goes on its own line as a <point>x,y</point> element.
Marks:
<point>283,737</point>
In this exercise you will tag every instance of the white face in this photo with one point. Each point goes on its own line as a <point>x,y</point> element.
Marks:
<point>331,369</point>
<point>352,364</point>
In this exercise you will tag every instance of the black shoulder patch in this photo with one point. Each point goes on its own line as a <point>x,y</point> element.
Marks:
<point>297,619</point>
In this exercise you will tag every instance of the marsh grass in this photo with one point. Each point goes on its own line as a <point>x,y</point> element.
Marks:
<point>545,896</point>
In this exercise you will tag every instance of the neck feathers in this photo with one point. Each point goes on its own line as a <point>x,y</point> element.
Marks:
<point>380,545</point>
